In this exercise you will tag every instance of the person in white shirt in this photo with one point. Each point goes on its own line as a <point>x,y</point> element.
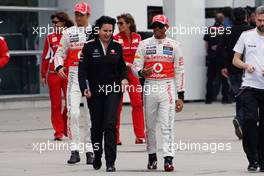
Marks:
<point>249,55</point>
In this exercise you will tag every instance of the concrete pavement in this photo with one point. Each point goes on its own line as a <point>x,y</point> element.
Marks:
<point>200,125</point>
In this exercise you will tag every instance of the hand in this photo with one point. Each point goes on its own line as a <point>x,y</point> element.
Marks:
<point>250,68</point>
<point>62,74</point>
<point>147,71</point>
<point>43,81</point>
<point>124,84</point>
<point>129,65</point>
<point>224,72</point>
<point>87,93</point>
<point>179,105</point>
<point>214,47</point>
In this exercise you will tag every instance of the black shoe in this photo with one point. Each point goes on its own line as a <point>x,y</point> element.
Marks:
<point>168,165</point>
<point>152,162</point>
<point>238,130</point>
<point>110,168</point>
<point>75,157</point>
<point>253,167</point>
<point>89,158</point>
<point>97,163</point>
<point>208,101</point>
<point>57,139</point>
<point>226,101</point>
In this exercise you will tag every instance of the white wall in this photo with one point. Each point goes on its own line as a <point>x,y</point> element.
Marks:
<point>193,45</point>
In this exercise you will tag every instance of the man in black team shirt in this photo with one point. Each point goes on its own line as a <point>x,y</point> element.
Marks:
<point>213,62</point>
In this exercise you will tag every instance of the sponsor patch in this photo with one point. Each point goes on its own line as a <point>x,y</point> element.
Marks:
<point>151,51</point>
<point>74,38</point>
<point>167,50</point>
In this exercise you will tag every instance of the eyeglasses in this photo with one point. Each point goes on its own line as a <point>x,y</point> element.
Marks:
<point>120,23</point>
<point>159,25</point>
<point>55,22</point>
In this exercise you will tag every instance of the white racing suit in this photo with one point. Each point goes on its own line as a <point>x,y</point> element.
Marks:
<point>160,88</point>
<point>70,47</point>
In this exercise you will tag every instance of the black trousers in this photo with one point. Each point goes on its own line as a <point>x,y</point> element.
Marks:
<point>214,72</point>
<point>103,110</point>
<point>253,128</point>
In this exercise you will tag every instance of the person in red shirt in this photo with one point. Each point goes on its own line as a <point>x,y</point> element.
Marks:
<point>4,53</point>
<point>56,84</point>
<point>129,40</point>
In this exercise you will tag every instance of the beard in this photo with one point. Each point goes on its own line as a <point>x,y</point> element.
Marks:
<point>261,28</point>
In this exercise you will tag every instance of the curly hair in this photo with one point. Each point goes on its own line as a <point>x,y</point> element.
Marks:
<point>63,17</point>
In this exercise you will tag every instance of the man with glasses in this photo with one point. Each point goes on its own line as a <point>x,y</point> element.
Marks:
<point>159,60</point>
<point>70,47</point>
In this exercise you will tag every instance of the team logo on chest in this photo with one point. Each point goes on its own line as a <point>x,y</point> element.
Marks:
<point>158,67</point>
<point>54,39</point>
<point>96,53</point>
<point>112,51</point>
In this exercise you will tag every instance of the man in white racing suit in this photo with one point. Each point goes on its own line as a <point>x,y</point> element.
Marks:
<point>159,60</point>
<point>70,47</point>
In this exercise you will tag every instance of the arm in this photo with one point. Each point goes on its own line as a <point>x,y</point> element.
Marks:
<point>4,54</point>
<point>45,59</point>
<point>82,73</point>
<point>179,77</point>
<point>138,63</point>
<point>179,72</point>
<point>237,59</point>
<point>122,68</point>
<point>61,52</point>
<point>61,55</point>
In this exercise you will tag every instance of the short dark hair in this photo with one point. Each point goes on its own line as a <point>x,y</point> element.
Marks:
<point>105,20</point>
<point>63,17</point>
<point>239,14</point>
<point>99,23</point>
<point>130,20</point>
<point>228,12</point>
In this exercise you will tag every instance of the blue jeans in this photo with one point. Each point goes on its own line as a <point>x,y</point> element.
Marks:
<point>236,81</point>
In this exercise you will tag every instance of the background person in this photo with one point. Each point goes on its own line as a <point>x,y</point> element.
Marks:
<point>56,84</point>
<point>250,45</point>
<point>70,47</point>
<point>214,63</point>
<point>129,40</point>
<point>103,66</point>
<point>4,53</point>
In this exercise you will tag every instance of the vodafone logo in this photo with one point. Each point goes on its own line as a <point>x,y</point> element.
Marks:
<point>158,67</point>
